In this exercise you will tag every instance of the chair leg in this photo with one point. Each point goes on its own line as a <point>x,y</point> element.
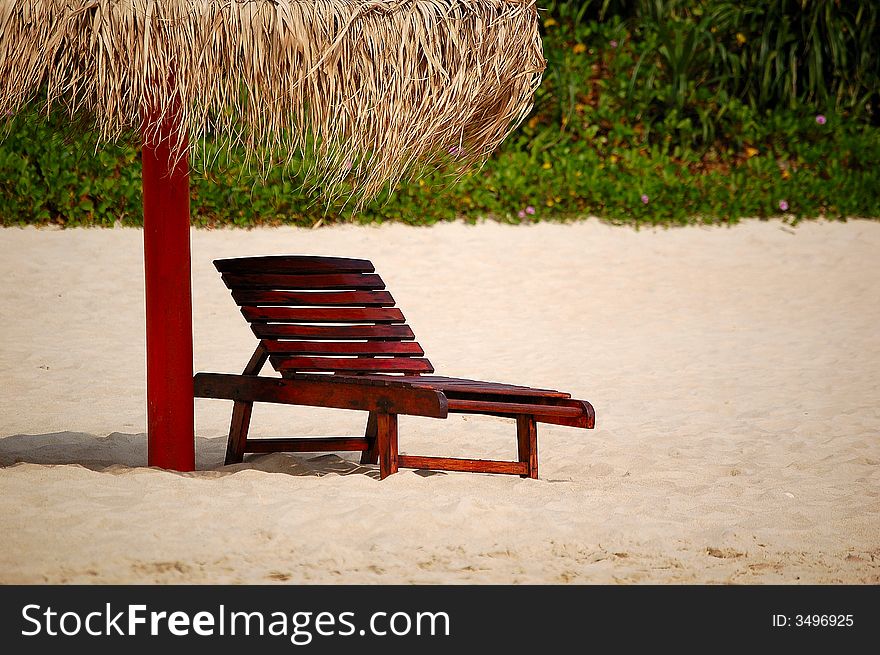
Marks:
<point>238,430</point>
<point>386,439</point>
<point>527,442</point>
<point>371,454</point>
<point>241,411</point>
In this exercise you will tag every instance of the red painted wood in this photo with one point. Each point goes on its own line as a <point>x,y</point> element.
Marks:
<point>587,418</point>
<point>323,315</point>
<point>358,380</point>
<point>341,281</point>
<point>346,364</point>
<point>581,415</point>
<point>257,361</point>
<point>405,348</point>
<point>241,411</point>
<point>306,444</point>
<point>238,429</point>
<point>463,386</point>
<point>527,444</point>
<point>386,444</point>
<point>466,465</point>
<point>277,293</point>
<point>332,332</point>
<point>313,298</point>
<point>324,392</point>
<point>168,290</point>
<point>370,455</point>
<point>293,264</point>
<point>504,407</point>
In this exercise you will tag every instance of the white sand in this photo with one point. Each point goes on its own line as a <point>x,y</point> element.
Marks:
<point>734,374</point>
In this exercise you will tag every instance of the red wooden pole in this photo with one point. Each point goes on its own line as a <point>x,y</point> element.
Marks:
<point>170,441</point>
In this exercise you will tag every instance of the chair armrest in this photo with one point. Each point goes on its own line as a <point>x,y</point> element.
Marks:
<point>338,393</point>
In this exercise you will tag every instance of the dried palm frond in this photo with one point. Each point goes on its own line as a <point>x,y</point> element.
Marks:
<point>366,89</point>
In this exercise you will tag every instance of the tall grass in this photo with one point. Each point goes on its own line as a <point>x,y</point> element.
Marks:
<point>824,52</point>
<point>696,57</point>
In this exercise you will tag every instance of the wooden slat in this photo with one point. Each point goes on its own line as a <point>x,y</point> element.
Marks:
<point>332,332</point>
<point>357,380</point>
<point>352,364</point>
<point>313,298</point>
<point>324,315</point>
<point>305,445</point>
<point>342,281</point>
<point>405,348</point>
<point>463,386</point>
<point>500,407</point>
<point>292,264</point>
<point>323,393</point>
<point>581,416</point>
<point>467,465</point>
<point>586,419</point>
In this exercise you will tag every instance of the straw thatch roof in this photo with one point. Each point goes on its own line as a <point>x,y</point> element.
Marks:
<point>367,88</point>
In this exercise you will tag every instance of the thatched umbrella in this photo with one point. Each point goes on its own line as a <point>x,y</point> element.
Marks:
<point>363,92</point>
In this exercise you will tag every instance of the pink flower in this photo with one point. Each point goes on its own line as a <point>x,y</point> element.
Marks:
<point>783,205</point>
<point>521,213</point>
<point>455,151</point>
<point>821,120</point>
<point>645,199</point>
<point>347,165</point>
<point>530,210</point>
<point>613,44</point>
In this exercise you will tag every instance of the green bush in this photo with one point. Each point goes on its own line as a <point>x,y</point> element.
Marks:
<point>651,112</point>
<point>765,53</point>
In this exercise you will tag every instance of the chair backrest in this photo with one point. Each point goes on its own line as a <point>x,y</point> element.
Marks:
<point>323,314</point>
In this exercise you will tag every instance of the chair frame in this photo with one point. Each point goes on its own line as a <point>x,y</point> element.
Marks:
<point>385,386</point>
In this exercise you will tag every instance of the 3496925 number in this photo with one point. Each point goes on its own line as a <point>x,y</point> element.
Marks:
<point>823,620</point>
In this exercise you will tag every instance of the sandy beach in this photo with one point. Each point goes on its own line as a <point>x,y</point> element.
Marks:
<point>734,372</point>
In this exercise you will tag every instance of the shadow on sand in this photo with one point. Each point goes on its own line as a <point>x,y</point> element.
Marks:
<point>130,450</point>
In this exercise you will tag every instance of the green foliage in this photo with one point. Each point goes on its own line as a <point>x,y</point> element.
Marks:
<point>707,109</point>
<point>46,178</point>
<point>766,53</point>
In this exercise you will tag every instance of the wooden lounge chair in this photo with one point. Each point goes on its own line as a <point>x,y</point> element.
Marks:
<point>330,329</point>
